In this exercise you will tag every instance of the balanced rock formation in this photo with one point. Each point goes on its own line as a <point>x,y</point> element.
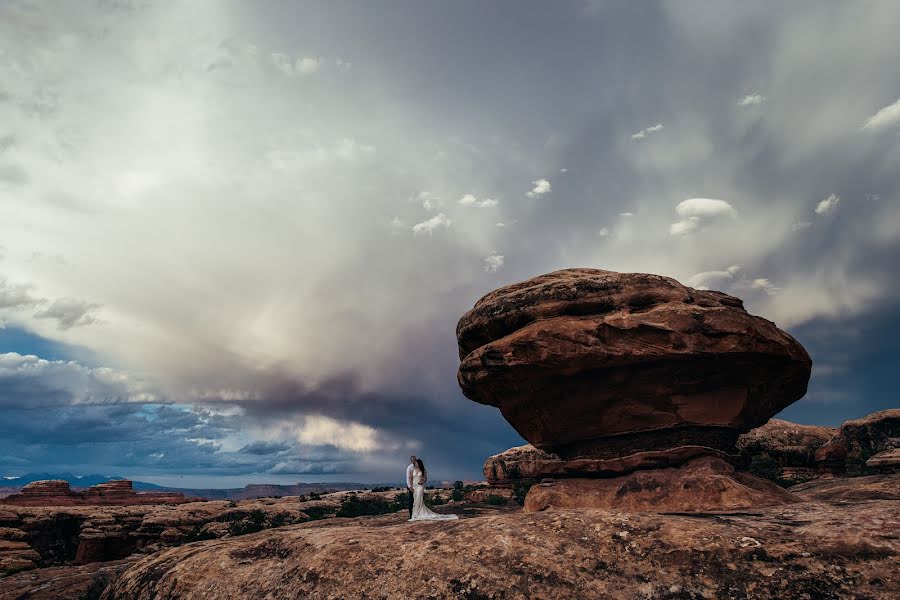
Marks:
<point>629,370</point>
<point>57,492</point>
<point>859,440</point>
<point>784,451</point>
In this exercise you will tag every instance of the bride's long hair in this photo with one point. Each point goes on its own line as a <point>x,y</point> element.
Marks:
<point>421,466</point>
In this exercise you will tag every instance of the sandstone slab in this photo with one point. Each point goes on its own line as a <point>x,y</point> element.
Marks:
<point>701,484</point>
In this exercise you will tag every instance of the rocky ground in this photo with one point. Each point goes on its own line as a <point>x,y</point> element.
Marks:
<point>813,549</point>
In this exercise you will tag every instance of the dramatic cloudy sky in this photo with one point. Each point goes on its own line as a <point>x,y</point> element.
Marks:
<point>235,237</point>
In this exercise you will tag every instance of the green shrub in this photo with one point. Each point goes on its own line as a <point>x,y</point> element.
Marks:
<point>437,500</point>
<point>520,490</point>
<point>354,506</point>
<point>766,467</point>
<point>495,500</point>
<point>457,494</point>
<point>197,534</point>
<point>319,512</point>
<point>96,588</point>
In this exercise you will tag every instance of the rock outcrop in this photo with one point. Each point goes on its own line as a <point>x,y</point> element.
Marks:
<point>38,536</point>
<point>705,483</point>
<point>807,550</point>
<point>859,440</point>
<point>612,373</point>
<point>887,460</point>
<point>119,492</point>
<point>783,451</point>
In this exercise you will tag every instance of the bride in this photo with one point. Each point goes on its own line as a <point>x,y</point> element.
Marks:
<point>421,512</point>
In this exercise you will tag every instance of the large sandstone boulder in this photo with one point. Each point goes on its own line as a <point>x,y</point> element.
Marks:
<point>596,364</point>
<point>705,483</point>
<point>783,451</point>
<point>859,440</point>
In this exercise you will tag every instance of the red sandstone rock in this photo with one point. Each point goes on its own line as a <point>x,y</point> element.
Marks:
<point>116,492</point>
<point>706,483</point>
<point>806,550</point>
<point>789,447</point>
<point>888,460</point>
<point>530,463</point>
<point>596,364</point>
<point>856,441</point>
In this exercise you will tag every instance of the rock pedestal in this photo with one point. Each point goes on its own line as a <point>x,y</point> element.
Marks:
<point>610,373</point>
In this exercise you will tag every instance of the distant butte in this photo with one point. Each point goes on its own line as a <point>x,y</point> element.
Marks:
<point>56,492</point>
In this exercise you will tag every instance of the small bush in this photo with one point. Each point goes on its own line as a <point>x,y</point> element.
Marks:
<point>457,494</point>
<point>96,588</point>
<point>382,489</point>
<point>315,496</point>
<point>319,512</point>
<point>437,500</point>
<point>197,534</point>
<point>495,500</point>
<point>520,490</point>
<point>255,521</point>
<point>766,467</point>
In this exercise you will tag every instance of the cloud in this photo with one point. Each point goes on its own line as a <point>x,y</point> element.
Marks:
<point>261,448</point>
<point>428,226</point>
<point>884,118</point>
<point>15,295</point>
<point>541,188</point>
<point>647,131</point>
<point>695,213</point>
<point>27,380</point>
<point>317,430</point>
<point>751,100</point>
<point>493,263</point>
<point>603,232</point>
<point>307,65</point>
<point>828,205</point>
<point>703,281</point>
<point>69,312</point>
<point>471,200</point>
<point>801,225</point>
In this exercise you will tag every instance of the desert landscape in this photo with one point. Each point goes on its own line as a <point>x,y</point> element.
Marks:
<point>449,299</point>
<point>634,391</point>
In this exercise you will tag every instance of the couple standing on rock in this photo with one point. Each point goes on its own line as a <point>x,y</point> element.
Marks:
<point>416,476</point>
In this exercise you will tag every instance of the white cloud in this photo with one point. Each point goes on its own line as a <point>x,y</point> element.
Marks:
<point>603,232</point>
<point>703,281</point>
<point>493,262</point>
<point>828,205</point>
<point>428,226</point>
<point>626,215</point>
<point>61,382</point>
<point>343,65</point>
<point>15,295</point>
<point>471,200</point>
<point>886,117</point>
<point>69,312</point>
<point>429,201</point>
<point>541,187</point>
<point>698,212</point>
<point>319,430</point>
<point>751,100</point>
<point>647,131</point>
<point>308,65</point>
<point>801,225</point>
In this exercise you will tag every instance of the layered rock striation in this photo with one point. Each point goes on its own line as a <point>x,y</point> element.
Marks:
<point>609,373</point>
<point>117,492</point>
<point>875,436</point>
<point>784,451</point>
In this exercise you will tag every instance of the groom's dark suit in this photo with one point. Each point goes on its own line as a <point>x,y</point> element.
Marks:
<point>409,490</point>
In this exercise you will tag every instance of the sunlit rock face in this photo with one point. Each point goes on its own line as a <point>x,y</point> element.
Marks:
<point>596,364</point>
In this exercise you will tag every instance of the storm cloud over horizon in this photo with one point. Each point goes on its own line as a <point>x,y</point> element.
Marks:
<point>235,238</point>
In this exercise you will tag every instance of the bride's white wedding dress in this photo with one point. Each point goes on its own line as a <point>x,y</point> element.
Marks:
<point>420,511</point>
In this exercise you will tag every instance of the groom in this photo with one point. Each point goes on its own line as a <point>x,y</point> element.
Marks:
<point>409,482</point>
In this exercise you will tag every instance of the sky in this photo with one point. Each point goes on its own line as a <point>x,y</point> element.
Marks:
<point>236,238</point>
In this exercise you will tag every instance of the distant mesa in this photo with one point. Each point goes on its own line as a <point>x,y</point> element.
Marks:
<point>57,492</point>
<point>631,378</point>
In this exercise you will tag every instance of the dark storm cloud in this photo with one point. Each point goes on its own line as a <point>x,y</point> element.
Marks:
<point>318,336</point>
